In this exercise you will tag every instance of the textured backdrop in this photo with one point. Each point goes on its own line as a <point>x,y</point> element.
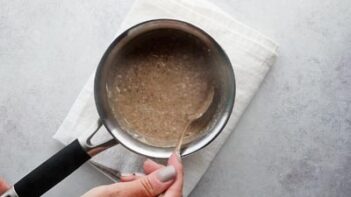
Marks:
<point>294,139</point>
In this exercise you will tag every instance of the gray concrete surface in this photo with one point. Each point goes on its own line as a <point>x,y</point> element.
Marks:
<point>294,139</point>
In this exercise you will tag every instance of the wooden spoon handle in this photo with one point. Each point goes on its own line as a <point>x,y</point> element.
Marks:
<point>181,139</point>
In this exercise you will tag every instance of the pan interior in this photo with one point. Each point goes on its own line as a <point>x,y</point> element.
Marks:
<point>159,78</point>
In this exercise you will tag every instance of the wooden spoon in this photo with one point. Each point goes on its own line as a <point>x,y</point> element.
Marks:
<point>194,118</point>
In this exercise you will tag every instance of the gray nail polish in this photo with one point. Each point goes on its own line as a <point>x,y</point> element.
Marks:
<point>126,174</point>
<point>139,174</point>
<point>166,174</point>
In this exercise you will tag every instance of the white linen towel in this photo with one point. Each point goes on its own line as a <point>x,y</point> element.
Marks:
<point>250,53</point>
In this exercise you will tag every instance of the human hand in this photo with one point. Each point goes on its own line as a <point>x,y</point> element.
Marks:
<point>159,179</point>
<point>3,186</point>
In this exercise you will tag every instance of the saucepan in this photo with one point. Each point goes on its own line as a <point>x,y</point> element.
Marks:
<point>63,163</point>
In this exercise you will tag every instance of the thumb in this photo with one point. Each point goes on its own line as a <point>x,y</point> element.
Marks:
<point>148,186</point>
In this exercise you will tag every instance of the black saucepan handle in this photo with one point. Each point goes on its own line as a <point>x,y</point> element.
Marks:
<point>52,171</point>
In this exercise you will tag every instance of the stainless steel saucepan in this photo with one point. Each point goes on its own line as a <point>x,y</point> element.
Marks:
<point>63,163</point>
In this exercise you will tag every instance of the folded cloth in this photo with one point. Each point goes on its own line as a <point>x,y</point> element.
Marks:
<point>250,53</point>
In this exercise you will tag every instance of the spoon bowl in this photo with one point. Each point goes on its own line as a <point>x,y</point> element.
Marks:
<point>196,118</point>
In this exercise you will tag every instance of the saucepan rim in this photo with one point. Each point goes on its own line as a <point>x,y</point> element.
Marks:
<point>126,139</point>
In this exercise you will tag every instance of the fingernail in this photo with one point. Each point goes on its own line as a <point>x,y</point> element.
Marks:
<point>138,174</point>
<point>166,174</point>
<point>126,174</point>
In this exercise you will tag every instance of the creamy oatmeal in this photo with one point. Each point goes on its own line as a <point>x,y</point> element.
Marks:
<point>158,84</point>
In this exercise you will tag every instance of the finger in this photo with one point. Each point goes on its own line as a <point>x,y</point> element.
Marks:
<point>97,191</point>
<point>147,186</point>
<point>150,166</point>
<point>3,186</point>
<point>127,177</point>
<point>176,189</point>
